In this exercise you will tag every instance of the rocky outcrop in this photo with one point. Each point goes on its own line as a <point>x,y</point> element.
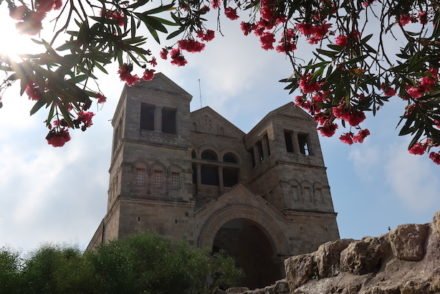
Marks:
<point>404,261</point>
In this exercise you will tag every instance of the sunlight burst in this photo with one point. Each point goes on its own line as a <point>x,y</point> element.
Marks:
<point>14,43</point>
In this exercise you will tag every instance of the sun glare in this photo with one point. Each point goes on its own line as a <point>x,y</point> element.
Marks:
<point>13,43</point>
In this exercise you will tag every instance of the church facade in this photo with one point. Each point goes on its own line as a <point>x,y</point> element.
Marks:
<point>260,196</point>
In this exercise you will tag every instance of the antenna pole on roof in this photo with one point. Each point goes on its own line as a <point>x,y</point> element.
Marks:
<point>200,94</point>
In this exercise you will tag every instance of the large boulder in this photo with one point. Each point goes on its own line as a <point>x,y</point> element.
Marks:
<point>364,256</point>
<point>408,241</point>
<point>300,269</point>
<point>328,255</point>
<point>436,222</point>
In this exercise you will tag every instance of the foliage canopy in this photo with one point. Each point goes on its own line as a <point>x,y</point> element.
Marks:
<point>365,53</point>
<point>140,264</point>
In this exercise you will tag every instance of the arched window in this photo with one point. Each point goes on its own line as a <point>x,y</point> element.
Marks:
<point>209,155</point>
<point>210,175</point>
<point>230,158</point>
<point>174,178</point>
<point>230,176</point>
<point>140,176</point>
<point>158,180</point>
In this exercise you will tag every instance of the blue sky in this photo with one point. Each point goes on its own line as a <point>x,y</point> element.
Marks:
<point>58,195</point>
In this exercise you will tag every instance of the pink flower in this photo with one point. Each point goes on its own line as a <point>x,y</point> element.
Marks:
<point>328,129</point>
<point>164,53</point>
<point>388,91</point>
<point>206,36</point>
<point>86,118</point>
<point>246,28</point>
<point>305,28</point>
<point>266,10</point>
<point>126,76</point>
<point>191,45</point>
<point>361,135</point>
<point>18,12</point>
<point>177,58</point>
<point>267,40</point>
<point>423,17</point>
<point>215,3</point>
<point>148,74</point>
<point>347,138</point>
<point>204,9</point>
<point>287,42</point>
<point>367,3</point>
<point>101,98</point>
<point>338,111</point>
<point>418,148</point>
<point>153,61</point>
<point>58,138</point>
<point>435,156</point>
<point>354,118</point>
<point>231,13</point>
<point>341,40</point>
<point>31,24</point>
<point>47,5</point>
<point>415,92</point>
<point>427,83</point>
<point>307,85</point>
<point>33,91</point>
<point>404,19</point>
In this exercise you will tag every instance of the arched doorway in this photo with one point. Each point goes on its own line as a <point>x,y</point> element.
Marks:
<point>252,250</point>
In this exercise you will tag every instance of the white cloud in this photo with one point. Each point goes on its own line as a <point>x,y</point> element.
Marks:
<point>414,180</point>
<point>365,158</point>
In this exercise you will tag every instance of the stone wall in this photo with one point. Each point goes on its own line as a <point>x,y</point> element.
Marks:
<point>404,261</point>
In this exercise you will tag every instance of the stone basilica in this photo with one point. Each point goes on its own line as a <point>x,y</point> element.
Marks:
<point>260,196</point>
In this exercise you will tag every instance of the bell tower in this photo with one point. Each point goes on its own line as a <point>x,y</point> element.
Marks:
<point>150,161</point>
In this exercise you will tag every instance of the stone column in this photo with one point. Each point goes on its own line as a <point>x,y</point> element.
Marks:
<point>264,145</point>
<point>158,119</point>
<point>295,143</point>
<point>199,175</point>
<point>256,155</point>
<point>220,179</point>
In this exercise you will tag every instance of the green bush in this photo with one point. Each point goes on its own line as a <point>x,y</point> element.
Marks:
<point>141,264</point>
<point>9,272</point>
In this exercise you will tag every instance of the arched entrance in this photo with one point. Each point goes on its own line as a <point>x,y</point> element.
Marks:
<point>252,250</point>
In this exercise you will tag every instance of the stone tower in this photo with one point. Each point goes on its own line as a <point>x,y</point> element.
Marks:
<point>194,176</point>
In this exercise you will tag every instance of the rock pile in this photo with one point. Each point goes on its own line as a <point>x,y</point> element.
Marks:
<point>404,261</point>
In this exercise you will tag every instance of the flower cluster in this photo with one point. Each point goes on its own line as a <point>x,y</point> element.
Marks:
<point>420,148</point>
<point>424,84</point>
<point>231,13</point>
<point>314,95</point>
<point>177,58</point>
<point>33,91</point>
<point>115,15</point>
<point>206,36</point>
<point>58,137</point>
<point>30,20</point>
<point>350,138</point>
<point>132,79</point>
<point>191,45</point>
<point>314,32</point>
<point>421,17</point>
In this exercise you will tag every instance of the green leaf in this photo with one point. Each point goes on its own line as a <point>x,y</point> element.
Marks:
<point>366,39</point>
<point>40,103</point>
<point>160,9</point>
<point>176,33</point>
<point>138,3</point>
<point>327,52</point>
<point>78,79</point>
<point>101,68</point>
